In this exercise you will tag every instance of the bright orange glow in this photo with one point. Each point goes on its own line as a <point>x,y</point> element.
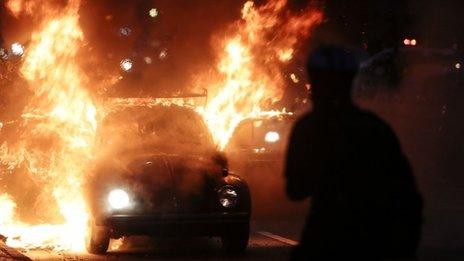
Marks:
<point>249,76</point>
<point>59,127</point>
<point>14,6</point>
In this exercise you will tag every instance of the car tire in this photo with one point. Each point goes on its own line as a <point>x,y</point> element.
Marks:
<point>98,239</point>
<point>236,241</point>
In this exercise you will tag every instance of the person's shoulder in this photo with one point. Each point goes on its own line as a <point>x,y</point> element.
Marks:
<point>370,116</point>
<point>374,121</point>
<point>302,123</point>
<point>304,120</point>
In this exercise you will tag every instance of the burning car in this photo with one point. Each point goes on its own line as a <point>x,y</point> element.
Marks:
<point>159,174</point>
<point>262,139</point>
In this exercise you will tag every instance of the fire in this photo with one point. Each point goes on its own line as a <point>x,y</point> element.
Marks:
<point>14,6</point>
<point>58,132</point>
<point>250,63</point>
<point>59,124</point>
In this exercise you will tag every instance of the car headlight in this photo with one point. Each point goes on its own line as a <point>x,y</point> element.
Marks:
<point>272,136</point>
<point>228,197</point>
<point>118,199</point>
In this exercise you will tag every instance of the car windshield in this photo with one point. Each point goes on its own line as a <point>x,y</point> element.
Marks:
<point>159,127</point>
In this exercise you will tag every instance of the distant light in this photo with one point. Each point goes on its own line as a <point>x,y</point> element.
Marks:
<point>125,31</point>
<point>163,54</point>
<point>407,42</point>
<point>259,150</point>
<point>457,66</point>
<point>17,49</point>
<point>147,60</point>
<point>294,78</point>
<point>126,65</point>
<point>413,42</point>
<point>272,136</point>
<point>153,12</point>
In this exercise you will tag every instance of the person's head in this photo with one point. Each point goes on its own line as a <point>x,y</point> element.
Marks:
<point>331,71</point>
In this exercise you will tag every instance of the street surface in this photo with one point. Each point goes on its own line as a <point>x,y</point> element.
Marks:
<point>264,245</point>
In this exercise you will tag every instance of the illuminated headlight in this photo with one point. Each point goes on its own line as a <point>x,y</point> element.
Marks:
<point>126,65</point>
<point>228,197</point>
<point>272,136</point>
<point>118,199</point>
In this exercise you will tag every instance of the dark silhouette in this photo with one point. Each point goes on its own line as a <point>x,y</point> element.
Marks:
<point>365,203</point>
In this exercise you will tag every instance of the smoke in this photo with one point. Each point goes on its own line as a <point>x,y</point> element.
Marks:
<point>135,145</point>
<point>176,43</point>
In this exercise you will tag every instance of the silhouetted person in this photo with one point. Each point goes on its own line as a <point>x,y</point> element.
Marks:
<point>365,203</point>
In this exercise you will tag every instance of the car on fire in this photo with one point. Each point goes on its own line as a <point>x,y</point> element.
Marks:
<point>158,173</point>
<point>261,139</point>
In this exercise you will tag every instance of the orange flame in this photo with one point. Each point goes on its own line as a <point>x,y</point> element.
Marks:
<point>250,64</point>
<point>14,7</point>
<point>59,130</point>
<point>59,124</point>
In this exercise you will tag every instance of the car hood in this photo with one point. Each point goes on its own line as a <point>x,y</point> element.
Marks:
<point>163,183</point>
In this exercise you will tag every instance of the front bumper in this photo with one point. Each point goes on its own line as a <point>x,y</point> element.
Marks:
<point>211,224</point>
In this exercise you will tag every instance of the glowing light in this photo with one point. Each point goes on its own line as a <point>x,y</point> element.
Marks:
<point>14,6</point>
<point>294,78</point>
<point>126,65</point>
<point>147,60</point>
<point>125,31</point>
<point>118,199</point>
<point>406,42</point>
<point>272,137</point>
<point>17,49</point>
<point>228,197</point>
<point>413,42</point>
<point>163,54</point>
<point>457,66</point>
<point>3,54</point>
<point>259,150</point>
<point>285,55</point>
<point>153,12</point>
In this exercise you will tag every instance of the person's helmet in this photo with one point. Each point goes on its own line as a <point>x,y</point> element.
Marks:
<point>333,58</point>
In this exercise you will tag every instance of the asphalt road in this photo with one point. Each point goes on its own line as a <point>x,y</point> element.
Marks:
<point>264,245</point>
<point>278,222</point>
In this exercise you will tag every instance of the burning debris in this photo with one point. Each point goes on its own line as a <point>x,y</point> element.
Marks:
<point>57,131</point>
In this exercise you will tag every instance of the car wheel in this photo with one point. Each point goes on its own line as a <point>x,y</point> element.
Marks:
<point>98,239</point>
<point>236,241</point>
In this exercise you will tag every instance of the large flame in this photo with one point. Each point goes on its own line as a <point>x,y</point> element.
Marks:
<point>57,135</point>
<point>59,124</point>
<point>250,64</point>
